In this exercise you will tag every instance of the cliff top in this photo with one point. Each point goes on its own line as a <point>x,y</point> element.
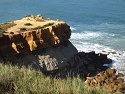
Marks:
<point>27,23</point>
<point>32,33</point>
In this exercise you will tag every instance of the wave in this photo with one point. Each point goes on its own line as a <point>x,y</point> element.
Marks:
<point>100,34</point>
<point>72,28</point>
<point>85,35</point>
<point>102,38</point>
<point>117,57</point>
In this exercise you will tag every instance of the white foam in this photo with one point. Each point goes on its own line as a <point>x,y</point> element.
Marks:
<point>85,35</point>
<point>118,58</point>
<point>72,28</point>
<point>100,38</point>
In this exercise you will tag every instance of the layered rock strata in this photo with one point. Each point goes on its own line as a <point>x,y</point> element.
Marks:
<point>44,45</point>
<point>33,39</point>
<point>37,42</point>
<point>48,60</point>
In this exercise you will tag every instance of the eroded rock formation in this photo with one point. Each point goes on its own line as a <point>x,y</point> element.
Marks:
<point>28,47</point>
<point>44,45</point>
<point>35,39</point>
<point>112,81</point>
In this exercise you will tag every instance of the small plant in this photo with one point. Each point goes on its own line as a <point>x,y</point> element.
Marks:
<point>40,27</point>
<point>22,29</point>
<point>48,24</point>
<point>1,32</point>
<point>27,24</point>
<point>11,32</point>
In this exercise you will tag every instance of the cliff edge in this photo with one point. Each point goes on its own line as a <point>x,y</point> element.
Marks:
<point>38,42</point>
<point>32,33</point>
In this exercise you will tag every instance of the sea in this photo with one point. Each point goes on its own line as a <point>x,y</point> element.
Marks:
<point>97,25</point>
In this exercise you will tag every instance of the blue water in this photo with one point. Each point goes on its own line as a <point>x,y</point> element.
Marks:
<point>95,24</point>
<point>103,20</point>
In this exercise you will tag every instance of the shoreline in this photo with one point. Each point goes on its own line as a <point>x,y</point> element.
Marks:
<point>116,56</point>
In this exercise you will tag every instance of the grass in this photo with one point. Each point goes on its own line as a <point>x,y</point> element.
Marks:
<point>41,27</point>
<point>15,80</point>
<point>1,33</point>
<point>7,25</point>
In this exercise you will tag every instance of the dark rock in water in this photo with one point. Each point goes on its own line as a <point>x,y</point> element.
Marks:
<point>85,63</point>
<point>102,68</point>
<point>102,56</point>
<point>81,54</point>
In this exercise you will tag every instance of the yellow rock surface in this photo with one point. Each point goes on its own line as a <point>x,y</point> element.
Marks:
<point>39,33</point>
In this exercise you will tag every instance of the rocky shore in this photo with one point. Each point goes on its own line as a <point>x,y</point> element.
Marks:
<point>44,45</point>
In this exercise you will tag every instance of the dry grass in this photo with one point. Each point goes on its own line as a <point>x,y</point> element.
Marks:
<point>15,80</point>
<point>6,25</point>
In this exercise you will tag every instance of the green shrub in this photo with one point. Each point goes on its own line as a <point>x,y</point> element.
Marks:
<point>48,24</point>
<point>11,32</point>
<point>40,27</point>
<point>22,29</point>
<point>27,24</point>
<point>1,32</point>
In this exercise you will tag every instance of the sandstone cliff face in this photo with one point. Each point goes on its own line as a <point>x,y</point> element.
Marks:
<point>35,39</point>
<point>44,44</point>
<point>49,59</point>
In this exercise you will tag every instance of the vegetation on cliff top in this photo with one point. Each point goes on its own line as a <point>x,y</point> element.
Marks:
<point>41,27</point>
<point>35,28</point>
<point>5,26</point>
<point>15,80</point>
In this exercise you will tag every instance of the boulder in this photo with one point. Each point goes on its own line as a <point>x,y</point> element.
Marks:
<point>109,79</point>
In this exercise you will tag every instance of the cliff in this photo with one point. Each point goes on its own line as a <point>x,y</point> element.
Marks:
<point>44,45</point>
<point>37,42</point>
<point>37,35</point>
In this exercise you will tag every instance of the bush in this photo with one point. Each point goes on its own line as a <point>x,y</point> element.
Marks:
<point>1,32</point>
<point>11,32</point>
<point>27,24</point>
<point>40,27</point>
<point>22,29</point>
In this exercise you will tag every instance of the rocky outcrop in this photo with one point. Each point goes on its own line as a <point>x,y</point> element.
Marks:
<point>48,60</point>
<point>86,64</point>
<point>44,44</point>
<point>112,81</point>
<point>89,66</point>
<point>35,39</point>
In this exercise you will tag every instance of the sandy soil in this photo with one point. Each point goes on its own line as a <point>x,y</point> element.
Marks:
<point>35,21</point>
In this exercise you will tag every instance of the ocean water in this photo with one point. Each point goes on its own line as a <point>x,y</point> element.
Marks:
<point>97,25</point>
